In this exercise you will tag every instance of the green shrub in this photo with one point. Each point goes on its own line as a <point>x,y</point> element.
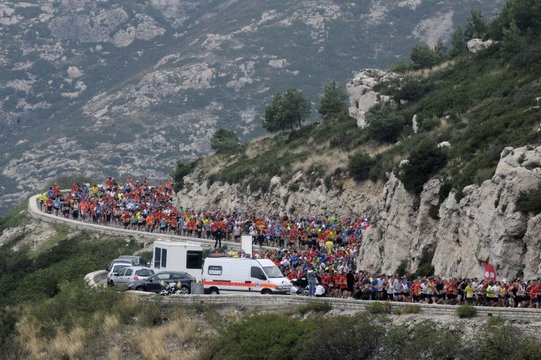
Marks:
<point>425,267</point>
<point>379,307</point>
<point>224,141</point>
<point>499,340</point>
<point>411,90</point>
<point>342,337</point>
<point>466,311</point>
<point>385,124</point>
<point>424,162</point>
<point>259,183</point>
<point>315,307</point>
<point>530,201</point>
<point>181,170</point>
<point>408,309</point>
<point>359,166</point>
<point>401,270</point>
<point>423,340</point>
<point>293,187</point>
<point>266,336</point>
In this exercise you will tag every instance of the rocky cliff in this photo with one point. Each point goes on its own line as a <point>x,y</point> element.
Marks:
<point>350,200</point>
<point>460,234</point>
<point>483,226</point>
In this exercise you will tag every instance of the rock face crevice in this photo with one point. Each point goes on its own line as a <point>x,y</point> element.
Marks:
<point>484,226</point>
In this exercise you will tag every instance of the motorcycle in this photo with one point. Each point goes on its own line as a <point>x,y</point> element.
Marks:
<point>169,289</point>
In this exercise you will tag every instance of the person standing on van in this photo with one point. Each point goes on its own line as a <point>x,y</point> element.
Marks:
<point>312,281</point>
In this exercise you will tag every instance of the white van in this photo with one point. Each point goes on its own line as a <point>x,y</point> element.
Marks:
<point>256,276</point>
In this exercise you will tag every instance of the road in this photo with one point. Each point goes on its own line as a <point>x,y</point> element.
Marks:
<point>261,301</point>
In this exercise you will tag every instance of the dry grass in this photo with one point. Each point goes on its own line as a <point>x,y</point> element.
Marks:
<point>110,323</point>
<point>69,344</point>
<point>429,72</point>
<point>115,353</point>
<point>163,342</point>
<point>66,344</point>
<point>329,161</point>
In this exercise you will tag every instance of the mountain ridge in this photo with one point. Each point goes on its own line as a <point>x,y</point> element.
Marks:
<point>87,82</point>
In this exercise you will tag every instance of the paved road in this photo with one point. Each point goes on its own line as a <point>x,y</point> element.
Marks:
<point>259,301</point>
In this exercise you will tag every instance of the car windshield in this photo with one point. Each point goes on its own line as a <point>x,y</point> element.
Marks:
<point>273,272</point>
<point>117,268</point>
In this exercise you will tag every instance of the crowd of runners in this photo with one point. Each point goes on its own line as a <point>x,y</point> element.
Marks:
<point>322,251</point>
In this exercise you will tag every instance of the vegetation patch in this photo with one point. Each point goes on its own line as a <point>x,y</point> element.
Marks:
<point>379,307</point>
<point>315,307</point>
<point>466,311</point>
<point>530,201</point>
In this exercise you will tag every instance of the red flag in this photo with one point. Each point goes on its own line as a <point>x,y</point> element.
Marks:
<point>490,272</point>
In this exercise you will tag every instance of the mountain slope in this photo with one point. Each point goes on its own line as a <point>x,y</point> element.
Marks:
<point>114,87</point>
<point>448,167</point>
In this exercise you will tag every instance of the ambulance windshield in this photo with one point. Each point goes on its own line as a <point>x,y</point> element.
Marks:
<point>273,272</point>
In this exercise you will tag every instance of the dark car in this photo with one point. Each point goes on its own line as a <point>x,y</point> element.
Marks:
<point>157,282</point>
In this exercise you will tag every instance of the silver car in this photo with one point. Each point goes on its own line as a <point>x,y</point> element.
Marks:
<point>129,274</point>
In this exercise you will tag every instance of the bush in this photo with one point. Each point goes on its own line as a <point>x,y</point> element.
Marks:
<point>315,307</point>
<point>359,166</point>
<point>181,170</point>
<point>408,309</point>
<point>466,311</point>
<point>411,90</point>
<point>425,161</point>
<point>530,201</point>
<point>267,336</point>
<point>385,125</point>
<point>423,340</point>
<point>379,307</point>
<point>401,270</point>
<point>342,337</point>
<point>293,187</point>
<point>425,267</point>
<point>225,141</point>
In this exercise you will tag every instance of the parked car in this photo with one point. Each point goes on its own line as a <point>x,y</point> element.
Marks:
<point>130,274</point>
<point>115,267</point>
<point>135,260</point>
<point>132,259</point>
<point>157,282</point>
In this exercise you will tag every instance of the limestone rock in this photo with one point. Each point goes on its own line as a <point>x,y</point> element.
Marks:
<point>362,95</point>
<point>353,200</point>
<point>476,45</point>
<point>483,226</point>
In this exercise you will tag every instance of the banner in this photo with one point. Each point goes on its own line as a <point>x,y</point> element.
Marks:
<point>490,272</point>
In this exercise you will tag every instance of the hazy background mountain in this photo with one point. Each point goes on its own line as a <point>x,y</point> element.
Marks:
<point>109,87</point>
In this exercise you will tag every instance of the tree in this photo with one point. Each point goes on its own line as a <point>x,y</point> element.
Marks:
<point>458,43</point>
<point>512,41</point>
<point>334,100</point>
<point>224,141</point>
<point>476,26</point>
<point>287,110</point>
<point>423,56</point>
<point>440,50</point>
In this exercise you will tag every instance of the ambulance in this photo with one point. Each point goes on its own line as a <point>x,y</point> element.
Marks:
<point>243,275</point>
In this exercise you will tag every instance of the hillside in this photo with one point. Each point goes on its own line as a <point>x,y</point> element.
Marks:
<point>116,88</point>
<point>464,133</point>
